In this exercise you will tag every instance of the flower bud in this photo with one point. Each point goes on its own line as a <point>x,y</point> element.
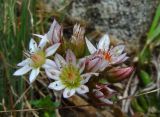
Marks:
<point>55,33</point>
<point>77,41</point>
<point>103,92</point>
<point>118,74</point>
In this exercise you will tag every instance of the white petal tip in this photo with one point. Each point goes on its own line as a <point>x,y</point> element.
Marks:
<point>90,46</point>
<point>68,93</point>
<point>83,89</point>
<point>104,42</point>
<point>22,71</point>
<point>51,50</point>
<point>16,74</point>
<point>33,75</point>
<point>57,85</point>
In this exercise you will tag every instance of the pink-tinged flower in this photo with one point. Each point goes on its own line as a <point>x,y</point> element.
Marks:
<point>103,92</point>
<point>68,75</point>
<point>37,58</point>
<point>54,35</point>
<point>117,74</point>
<point>111,55</point>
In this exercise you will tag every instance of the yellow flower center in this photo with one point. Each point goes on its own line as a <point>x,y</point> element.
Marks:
<point>70,76</point>
<point>38,59</point>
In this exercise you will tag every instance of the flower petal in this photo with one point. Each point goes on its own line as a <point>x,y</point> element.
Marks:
<point>90,46</point>
<point>49,64</point>
<point>93,64</point>
<point>24,62</point>
<point>57,85</point>
<point>33,75</point>
<point>87,76</point>
<point>98,93</point>
<point>124,59</point>
<point>32,45</point>
<point>119,59</point>
<point>103,65</point>
<point>22,70</point>
<point>51,74</point>
<point>85,79</point>
<point>104,43</point>
<point>43,41</point>
<point>116,51</point>
<point>54,71</point>
<point>51,50</point>
<point>70,57</point>
<point>68,92</point>
<point>55,32</point>
<point>105,100</point>
<point>59,61</point>
<point>82,89</point>
<point>40,36</point>
<point>110,91</point>
<point>81,65</point>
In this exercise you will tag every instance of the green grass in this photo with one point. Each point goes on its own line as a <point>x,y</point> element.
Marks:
<point>15,29</point>
<point>153,37</point>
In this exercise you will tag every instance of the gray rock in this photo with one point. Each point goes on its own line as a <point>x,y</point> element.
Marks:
<point>125,19</point>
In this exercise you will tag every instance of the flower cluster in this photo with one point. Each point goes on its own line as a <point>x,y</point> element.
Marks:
<point>69,74</point>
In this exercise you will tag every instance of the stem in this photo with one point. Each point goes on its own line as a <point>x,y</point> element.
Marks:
<point>57,99</point>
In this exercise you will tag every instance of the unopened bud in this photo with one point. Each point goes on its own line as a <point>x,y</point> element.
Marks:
<point>118,74</point>
<point>77,41</point>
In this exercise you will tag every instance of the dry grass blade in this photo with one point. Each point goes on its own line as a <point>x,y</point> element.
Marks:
<point>125,94</point>
<point>23,94</point>
<point>156,63</point>
<point>29,107</point>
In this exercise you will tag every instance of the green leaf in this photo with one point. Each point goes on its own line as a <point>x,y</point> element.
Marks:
<point>155,27</point>
<point>143,102</point>
<point>145,55</point>
<point>145,78</point>
<point>102,81</point>
<point>155,21</point>
<point>136,106</point>
<point>154,35</point>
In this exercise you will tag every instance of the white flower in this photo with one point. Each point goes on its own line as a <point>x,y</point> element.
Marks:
<point>68,75</point>
<point>37,58</point>
<point>54,35</point>
<point>111,55</point>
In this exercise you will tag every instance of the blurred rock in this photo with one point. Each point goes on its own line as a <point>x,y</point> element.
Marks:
<point>125,19</point>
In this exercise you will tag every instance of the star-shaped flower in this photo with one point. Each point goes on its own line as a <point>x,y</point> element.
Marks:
<point>112,55</point>
<point>36,58</point>
<point>68,75</point>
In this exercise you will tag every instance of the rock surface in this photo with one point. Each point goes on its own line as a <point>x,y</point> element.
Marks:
<point>125,19</point>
